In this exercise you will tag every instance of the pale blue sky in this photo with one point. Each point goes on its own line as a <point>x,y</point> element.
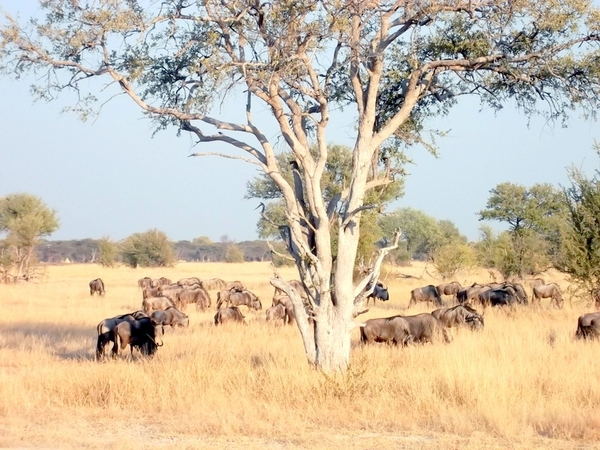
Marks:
<point>111,178</point>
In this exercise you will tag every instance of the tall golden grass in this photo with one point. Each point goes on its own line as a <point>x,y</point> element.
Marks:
<point>524,382</point>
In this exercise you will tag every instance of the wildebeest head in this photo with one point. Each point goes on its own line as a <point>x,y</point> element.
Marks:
<point>475,321</point>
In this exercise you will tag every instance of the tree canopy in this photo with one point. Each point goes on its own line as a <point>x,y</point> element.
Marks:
<point>24,219</point>
<point>390,65</point>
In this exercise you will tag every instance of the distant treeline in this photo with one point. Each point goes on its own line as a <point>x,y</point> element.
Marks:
<point>86,251</point>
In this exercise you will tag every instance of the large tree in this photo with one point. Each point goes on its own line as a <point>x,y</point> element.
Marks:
<point>24,219</point>
<point>391,64</point>
<point>535,217</point>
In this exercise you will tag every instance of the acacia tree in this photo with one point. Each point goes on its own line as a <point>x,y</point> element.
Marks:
<point>24,219</point>
<point>392,64</point>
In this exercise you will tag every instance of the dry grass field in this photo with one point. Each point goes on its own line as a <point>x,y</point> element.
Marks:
<point>522,383</point>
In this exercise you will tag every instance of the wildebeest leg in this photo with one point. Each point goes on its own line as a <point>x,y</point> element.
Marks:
<point>100,344</point>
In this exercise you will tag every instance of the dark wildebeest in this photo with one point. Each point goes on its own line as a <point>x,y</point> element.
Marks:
<point>170,317</point>
<point>498,297</point>
<point>425,294</point>
<point>588,326</point>
<point>106,330</point>
<point>451,288</point>
<point>469,293</point>
<point>276,314</point>
<point>380,291</point>
<point>550,290</point>
<point>459,315</point>
<point>156,303</point>
<point>235,298</point>
<point>426,328</point>
<point>390,329</point>
<point>97,287</point>
<point>231,314</point>
<point>139,333</point>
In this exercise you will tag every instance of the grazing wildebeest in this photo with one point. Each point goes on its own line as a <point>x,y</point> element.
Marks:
<point>588,326</point>
<point>390,329</point>
<point>425,294</point>
<point>498,297</point>
<point>156,303</point>
<point>97,287</point>
<point>197,295</point>
<point>235,298</point>
<point>426,328</point>
<point>276,314</point>
<point>459,315</point>
<point>170,317</point>
<point>140,333</point>
<point>380,291</point>
<point>550,290</point>
<point>231,314</point>
<point>451,288</point>
<point>106,330</point>
<point>213,283</point>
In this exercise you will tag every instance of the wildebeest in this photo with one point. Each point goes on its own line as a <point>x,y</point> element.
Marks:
<point>156,303</point>
<point>426,328</point>
<point>231,314</point>
<point>188,281</point>
<point>145,282</point>
<point>234,298</point>
<point>390,329</point>
<point>140,333</point>
<point>197,295</point>
<point>588,326</point>
<point>469,293</point>
<point>213,283</point>
<point>235,286</point>
<point>276,314</point>
<point>550,290</point>
<point>425,294</point>
<point>380,291</point>
<point>286,302</point>
<point>459,315</point>
<point>106,330</point>
<point>170,317</point>
<point>451,288</point>
<point>298,287</point>
<point>498,297</point>
<point>97,287</point>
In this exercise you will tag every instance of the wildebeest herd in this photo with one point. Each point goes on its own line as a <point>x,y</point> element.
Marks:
<point>163,303</point>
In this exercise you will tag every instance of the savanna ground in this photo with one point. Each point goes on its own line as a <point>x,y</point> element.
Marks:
<point>524,382</point>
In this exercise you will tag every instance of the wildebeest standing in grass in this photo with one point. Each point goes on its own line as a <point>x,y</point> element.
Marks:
<point>170,317</point>
<point>197,295</point>
<point>276,314</point>
<point>212,284</point>
<point>550,290</point>
<point>393,330</point>
<point>498,297</point>
<point>286,302</point>
<point>106,330</point>
<point>451,288</point>
<point>97,287</point>
<point>380,291</point>
<point>425,294</point>
<point>230,314</point>
<point>459,315</point>
<point>426,328</point>
<point>235,298</point>
<point>139,333</point>
<point>588,326</point>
